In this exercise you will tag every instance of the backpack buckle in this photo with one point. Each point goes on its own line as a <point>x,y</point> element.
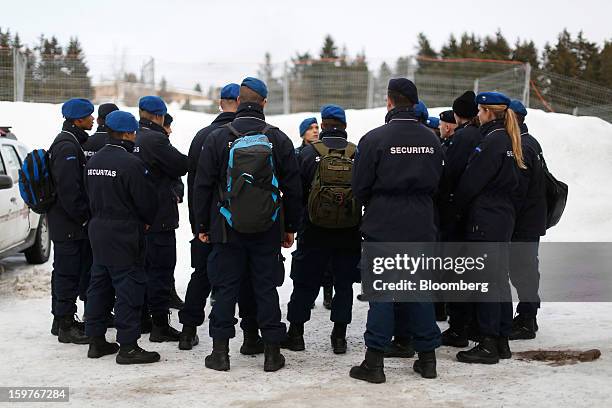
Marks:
<point>339,198</point>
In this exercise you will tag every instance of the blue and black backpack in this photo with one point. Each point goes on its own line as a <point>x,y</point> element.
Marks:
<point>35,182</point>
<point>251,200</point>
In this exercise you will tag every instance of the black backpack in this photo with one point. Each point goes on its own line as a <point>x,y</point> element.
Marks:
<point>251,200</point>
<point>35,183</point>
<point>556,197</point>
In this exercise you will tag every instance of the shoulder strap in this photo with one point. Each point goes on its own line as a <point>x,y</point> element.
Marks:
<point>323,150</point>
<point>320,148</point>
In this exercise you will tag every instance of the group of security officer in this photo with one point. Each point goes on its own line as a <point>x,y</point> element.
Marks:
<point>113,225</point>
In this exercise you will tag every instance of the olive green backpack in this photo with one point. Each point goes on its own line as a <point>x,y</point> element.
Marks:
<point>331,203</point>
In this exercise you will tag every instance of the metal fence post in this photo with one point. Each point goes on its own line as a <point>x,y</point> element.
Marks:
<point>370,96</point>
<point>286,104</point>
<point>476,85</point>
<point>19,74</point>
<point>527,85</point>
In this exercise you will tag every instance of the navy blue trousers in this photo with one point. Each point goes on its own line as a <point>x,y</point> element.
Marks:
<point>525,274</point>
<point>70,276</point>
<point>308,268</point>
<point>229,265</point>
<point>160,260</point>
<point>128,284</point>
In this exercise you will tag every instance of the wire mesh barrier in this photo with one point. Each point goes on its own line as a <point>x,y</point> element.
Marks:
<point>294,86</point>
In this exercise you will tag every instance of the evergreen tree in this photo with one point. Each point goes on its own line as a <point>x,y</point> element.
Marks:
<point>589,59</point>
<point>526,52</point>
<point>450,49</point>
<point>197,87</point>
<point>424,48</point>
<point>402,66</point>
<point>470,46</point>
<point>496,47</point>
<point>6,66</point>
<point>561,58</point>
<point>329,49</point>
<point>77,81</point>
<point>605,70</point>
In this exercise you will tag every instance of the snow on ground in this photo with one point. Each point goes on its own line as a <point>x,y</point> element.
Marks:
<point>578,151</point>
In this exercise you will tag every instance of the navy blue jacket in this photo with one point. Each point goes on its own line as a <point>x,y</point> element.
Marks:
<point>122,200</point>
<point>166,165</point>
<point>311,235</point>
<point>460,147</point>
<point>95,142</point>
<point>212,171</point>
<point>530,197</point>
<point>396,174</point>
<point>194,155</point>
<point>484,194</point>
<point>69,215</point>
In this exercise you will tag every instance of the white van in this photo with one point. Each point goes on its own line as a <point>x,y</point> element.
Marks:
<point>21,230</point>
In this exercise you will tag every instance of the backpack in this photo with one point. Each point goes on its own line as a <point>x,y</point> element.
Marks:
<point>556,197</point>
<point>251,201</point>
<point>35,183</point>
<point>331,203</point>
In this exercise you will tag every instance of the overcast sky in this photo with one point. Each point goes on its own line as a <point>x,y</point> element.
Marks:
<point>194,40</point>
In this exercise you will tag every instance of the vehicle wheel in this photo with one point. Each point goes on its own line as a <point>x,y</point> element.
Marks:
<point>39,252</point>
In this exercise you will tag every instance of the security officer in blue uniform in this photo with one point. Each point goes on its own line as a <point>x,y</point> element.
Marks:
<point>530,225</point>
<point>238,255</point>
<point>447,126</point>
<point>309,132</point>
<point>323,249</point>
<point>390,186</point>
<point>98,140</point>
<point>466,138</point>
<point>123,204</point>
<point>484,199</point>
<point>198,289</point>
<point>166,165</point>
<point>68,218</point>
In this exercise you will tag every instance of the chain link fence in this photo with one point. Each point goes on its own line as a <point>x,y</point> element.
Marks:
<point>294,86</point>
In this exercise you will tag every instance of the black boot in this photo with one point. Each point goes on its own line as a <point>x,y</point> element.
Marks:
<point>338,338</point>
<point>295,338</point>
<point>400,348</point>
<point>371,369</point>
<point>162,331</point>
<point>69,332</point>
<point>523,328</point>
<point>133,354</point>
<point>219,358</point>
<point>99,347</point>
<point>503,348</point>
<point>273,359</point>
<point>188,338</point>
<point>440,311</point>
<point>426,364</point>
<point>146,324</point>
<point>175,301</point>
<point>328,294</point>
<point>55,326</point>
<point>484,352</point>
<point>252,343</point>
<point>455,338</point>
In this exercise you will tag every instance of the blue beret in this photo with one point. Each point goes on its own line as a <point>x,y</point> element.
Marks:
<point>256,85</point>
<point>492,98</point>
<point>333,112</point>
<point>518,107</point>
<point>306,123</point>
<point>153,104</point>
<point>230,91</point>
<point>77,108</point>
<point>120,121</point>
<point>405,87</point>
<point>433,122</point>
<point>420,109</point>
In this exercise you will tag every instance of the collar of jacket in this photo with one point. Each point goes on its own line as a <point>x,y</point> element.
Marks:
<point>491,126</point>
<point>464,125</point>
<point>524,128</point>
<point>250,109</point>
<point>79,133</point>
<point>224,117</point>
<point>126,144</point>
<point>152,125</point>
<point>102,129</point>
<point>400,113</point>
<point>334,132</point>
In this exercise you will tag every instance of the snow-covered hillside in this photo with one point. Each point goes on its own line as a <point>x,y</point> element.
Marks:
<point>578,151</point>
